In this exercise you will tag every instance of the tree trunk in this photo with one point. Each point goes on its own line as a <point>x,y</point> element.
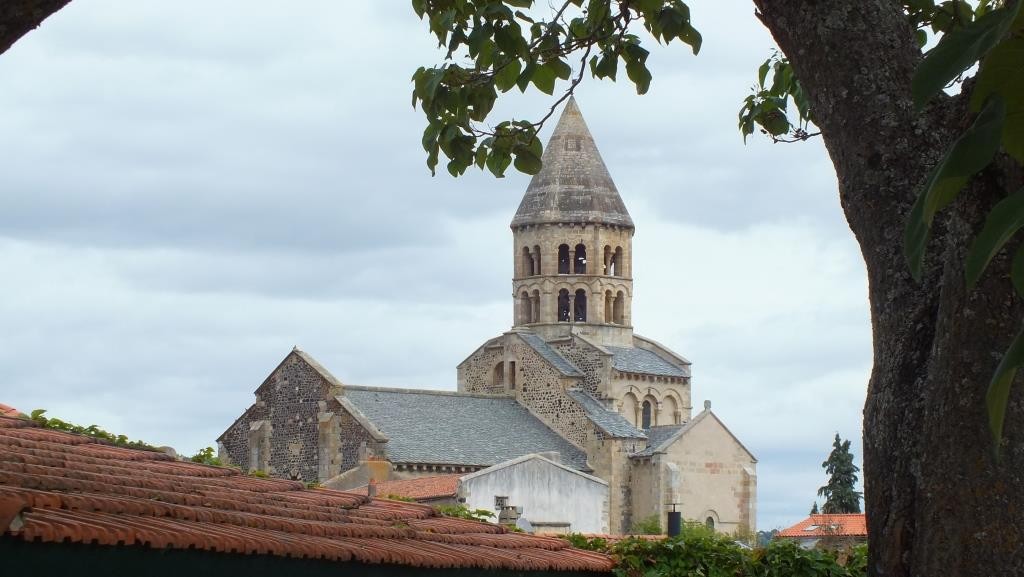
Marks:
<point>937,501</point>
<point>19,17</point>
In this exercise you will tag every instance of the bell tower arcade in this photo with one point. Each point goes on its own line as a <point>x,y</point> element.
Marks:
<point>573,243</point>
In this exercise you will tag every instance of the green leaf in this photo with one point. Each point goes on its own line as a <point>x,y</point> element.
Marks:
<point>1002,73</point>
<point>968,155</point>
<point>527,162</point>
<point>1005,219</point>
<point>958,50</point>
<point>544,79</point>
<point>998,394</point>
<point>506,78</point>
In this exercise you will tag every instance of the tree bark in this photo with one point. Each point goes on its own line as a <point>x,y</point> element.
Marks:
<point>937,501</point>
<point>19,17</point>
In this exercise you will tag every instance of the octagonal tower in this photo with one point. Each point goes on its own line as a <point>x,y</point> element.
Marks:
<point>572,240</point>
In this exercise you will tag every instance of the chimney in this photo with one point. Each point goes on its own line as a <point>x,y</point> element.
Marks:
<point>371,488</point>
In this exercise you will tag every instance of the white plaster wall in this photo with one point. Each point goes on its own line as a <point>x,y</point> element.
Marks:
<point>546,492</point>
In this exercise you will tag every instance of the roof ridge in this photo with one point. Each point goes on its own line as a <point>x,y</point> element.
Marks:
<point>439,392</point>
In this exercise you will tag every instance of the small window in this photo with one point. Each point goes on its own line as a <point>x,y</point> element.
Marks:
<point>564,262</point>
<point>500,502</point>
<point>512,375</point>
<point>710,523</point>
<point>645,418</point>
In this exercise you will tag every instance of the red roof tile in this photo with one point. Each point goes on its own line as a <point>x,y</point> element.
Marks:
<point>58,487</point>
<point>829,525</point>
<point>8,411</point>
<point>420,488</point>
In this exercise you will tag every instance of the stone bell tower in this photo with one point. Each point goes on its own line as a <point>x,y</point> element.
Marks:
<point>573,243</point>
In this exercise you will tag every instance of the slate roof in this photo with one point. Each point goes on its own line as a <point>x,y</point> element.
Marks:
<point>611,422</point>
<point>573,185</point>
<point>642,361</point>
<point>550,355</point>
<point>656,437</point>
<point>457,428</point>
<point>829,525</point>
<point>64,489</point>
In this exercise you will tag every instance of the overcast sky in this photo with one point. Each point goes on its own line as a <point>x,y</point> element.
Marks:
<point>188,189</point>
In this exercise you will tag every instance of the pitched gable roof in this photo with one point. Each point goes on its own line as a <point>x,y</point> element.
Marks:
<point>531,457</point>
<point>669,436</point>
<point>611,422</point>
<point>444,427</point>
<point>69,489</point>
<point>829,525</point>
<point>643,361</point>
<point>549,354</point>
<point>419,488</point>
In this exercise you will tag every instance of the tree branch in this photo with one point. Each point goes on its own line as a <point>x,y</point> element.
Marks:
<point>19,17</point>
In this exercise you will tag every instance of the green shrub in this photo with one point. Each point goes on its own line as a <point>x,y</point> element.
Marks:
<point>463,512</point>
<point>589,543</point>
<point>647,526</point>
<point>206,456</point>
<point>92,431</point>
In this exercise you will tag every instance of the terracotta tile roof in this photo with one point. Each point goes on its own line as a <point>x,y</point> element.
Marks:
<point>420,488</point>
<point>8,411</point>
<point>829,525</point>
<point>57,487</point>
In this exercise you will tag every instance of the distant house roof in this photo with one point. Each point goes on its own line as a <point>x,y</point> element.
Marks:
<point>611,422</point>
<point>443,427</point>
<point>657,438</point>
<point>65,489</point>
<point>8,411</point>
<point>642,361</point>
<point>550,355</point>
<point>420,488</point>
<point>828,525</point>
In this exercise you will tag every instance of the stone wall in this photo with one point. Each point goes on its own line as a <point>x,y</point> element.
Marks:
<point>476,374</point>
<point>288,402</point>
<point>593,363</point>
<point>541,389</point>
<point>717,477</point>
<point>610,460</point>
<point>233,444</point>
<point>356,444</point>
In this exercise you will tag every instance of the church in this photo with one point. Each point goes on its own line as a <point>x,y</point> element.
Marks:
<point>570,379</point>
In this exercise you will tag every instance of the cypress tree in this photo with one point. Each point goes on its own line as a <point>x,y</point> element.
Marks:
<point>839,493</point>
<point>814,509</point>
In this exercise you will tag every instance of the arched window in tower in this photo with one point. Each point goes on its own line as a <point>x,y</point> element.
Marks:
<point>580,266</point>
<point>607,261</point>
<point>563,306</point>
<point>710,523</point>
<point>536,260</point>
<point>525,308</point>
<point>528,267</point>
<point>563,259</point>
<point>619,309</point>
<point>499,374</point>
<point>645,415</point>
<point>535,307</point>
<point>609,301</point>
<point>580,305</point>
<point>617,266</point>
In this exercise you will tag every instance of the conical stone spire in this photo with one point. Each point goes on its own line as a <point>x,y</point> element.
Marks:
<point>574,185</point>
